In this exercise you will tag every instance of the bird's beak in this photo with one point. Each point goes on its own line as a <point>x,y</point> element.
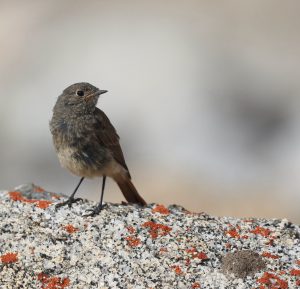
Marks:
<point>102,91</point>
<point>92,95</point>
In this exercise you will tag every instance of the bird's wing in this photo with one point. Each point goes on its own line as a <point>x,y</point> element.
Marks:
<point>108,137</point>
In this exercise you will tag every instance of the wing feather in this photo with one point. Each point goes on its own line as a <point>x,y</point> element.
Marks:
<point>108,137</point>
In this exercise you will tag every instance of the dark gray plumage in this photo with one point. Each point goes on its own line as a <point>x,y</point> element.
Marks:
<point>86,142</point>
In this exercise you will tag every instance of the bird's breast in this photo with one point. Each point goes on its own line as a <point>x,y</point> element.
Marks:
<point>85,162</point>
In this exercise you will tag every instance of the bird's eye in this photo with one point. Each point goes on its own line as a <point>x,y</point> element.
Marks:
<point>80,93</point>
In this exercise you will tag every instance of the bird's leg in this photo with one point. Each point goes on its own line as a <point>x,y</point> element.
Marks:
<point>71,199</point>
<point>99,207</point>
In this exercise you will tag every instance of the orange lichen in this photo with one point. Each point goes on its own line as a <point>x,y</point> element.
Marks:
<point>295,272</point>
<point>130,229</point>
<point>195,254</point>
<point>233,233</point>
<point>133,241</point>
<point>272,280</point>
<point>195,285</point>
<point>202,256</point>
<point>9,258</point>
<point>70,229</point>
<point>156,229</point>
<point>43,204</point>
<point>53,282</point>
<point>17,196</point>
<point>161,209</point>
<point>42,277</point>
<point>177,269</point>
<point>261,231</point>
<point>269,255</point>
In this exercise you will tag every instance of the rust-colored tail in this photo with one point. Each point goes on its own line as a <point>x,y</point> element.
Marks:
<point>129,191</point>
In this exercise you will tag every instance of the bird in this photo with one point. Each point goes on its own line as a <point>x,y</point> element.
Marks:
<point>87,144</point>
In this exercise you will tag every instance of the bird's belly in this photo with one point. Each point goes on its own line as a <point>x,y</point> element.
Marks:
<point>81,164</point>
<point>73,164</point>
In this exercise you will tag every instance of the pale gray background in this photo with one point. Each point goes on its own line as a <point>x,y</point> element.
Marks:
<point>204,94</point>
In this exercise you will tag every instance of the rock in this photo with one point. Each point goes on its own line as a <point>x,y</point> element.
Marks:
<point>127,246</point>
<point>242,263</point>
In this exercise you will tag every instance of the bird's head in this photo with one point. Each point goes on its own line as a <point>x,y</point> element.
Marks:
<point>80,96</point>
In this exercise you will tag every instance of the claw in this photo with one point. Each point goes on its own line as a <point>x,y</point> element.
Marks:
<point>68,202</point>
<point>95,211</point>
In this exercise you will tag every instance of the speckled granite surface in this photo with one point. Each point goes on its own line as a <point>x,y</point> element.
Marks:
<point>133,247</point>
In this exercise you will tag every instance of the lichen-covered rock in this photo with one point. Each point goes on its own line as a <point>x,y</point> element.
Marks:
<point>128,246</point>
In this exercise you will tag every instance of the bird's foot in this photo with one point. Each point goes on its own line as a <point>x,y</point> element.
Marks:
<point>95,211</point>
<point>68,202</point>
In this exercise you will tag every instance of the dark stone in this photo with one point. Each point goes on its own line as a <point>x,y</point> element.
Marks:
<point>242,263</point>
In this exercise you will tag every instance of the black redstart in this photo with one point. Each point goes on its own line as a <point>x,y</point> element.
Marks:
<point>87,144</point>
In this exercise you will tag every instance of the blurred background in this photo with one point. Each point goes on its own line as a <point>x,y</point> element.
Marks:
<point>204,95</point>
